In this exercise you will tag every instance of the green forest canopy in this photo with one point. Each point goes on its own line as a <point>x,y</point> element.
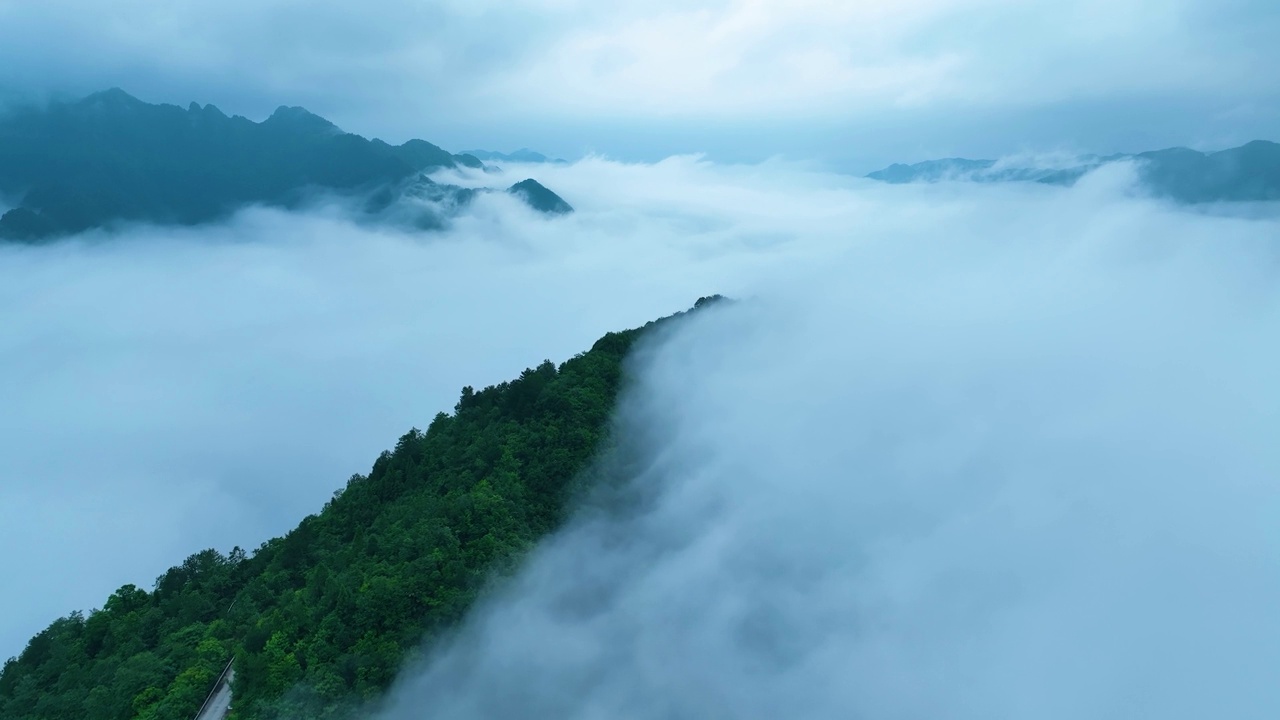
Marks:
<point>320,621</point>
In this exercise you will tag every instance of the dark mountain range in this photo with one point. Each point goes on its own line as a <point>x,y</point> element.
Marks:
<point>963,169</point>
<point>1248,173</point>
<point>523,155</point>
<point>111,158</point>
<point>321,620</point>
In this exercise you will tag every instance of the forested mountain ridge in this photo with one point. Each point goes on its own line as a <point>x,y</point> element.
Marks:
<point>111,158</point>
<point>319,621</point>
<point>1248,173</point>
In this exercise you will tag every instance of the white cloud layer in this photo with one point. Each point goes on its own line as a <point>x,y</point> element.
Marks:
<point>170,390</point>
<point>166,391</point>
<point>965,452</point>
<point>999,450</point>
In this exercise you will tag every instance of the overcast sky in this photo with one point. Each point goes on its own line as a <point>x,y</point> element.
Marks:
<point>856,83</point>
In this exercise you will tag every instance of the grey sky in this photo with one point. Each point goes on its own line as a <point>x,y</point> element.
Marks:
<point>857,83</point>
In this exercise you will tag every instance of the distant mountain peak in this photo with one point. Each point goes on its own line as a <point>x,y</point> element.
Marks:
<point>111,98</point>
<point>539,197</point>
<point>1249,173</point>
<point>300,118</point>
<point>110,159</point>
<point>114,94</point>
<point>523,155</point>
<point>206,111</point>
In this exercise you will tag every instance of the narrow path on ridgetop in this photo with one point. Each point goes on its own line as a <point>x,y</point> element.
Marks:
<point>220,703</point>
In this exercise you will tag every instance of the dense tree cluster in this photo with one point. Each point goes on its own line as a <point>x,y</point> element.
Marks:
<point>320,620</point>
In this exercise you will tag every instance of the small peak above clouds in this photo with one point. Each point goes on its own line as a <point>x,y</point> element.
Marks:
<point>539,197</point>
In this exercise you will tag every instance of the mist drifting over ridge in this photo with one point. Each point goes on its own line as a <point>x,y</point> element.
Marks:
<point>953,441</point>
<point>171,390</point>
<point>999,442</point>
<point>1022,467</point>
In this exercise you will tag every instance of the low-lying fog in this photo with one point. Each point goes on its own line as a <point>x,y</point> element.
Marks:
<point>962,450</point>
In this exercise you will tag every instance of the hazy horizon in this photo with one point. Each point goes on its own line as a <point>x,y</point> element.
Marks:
<point>852,86</point>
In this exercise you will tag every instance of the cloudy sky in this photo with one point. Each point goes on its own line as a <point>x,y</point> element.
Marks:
<point>853,83</point>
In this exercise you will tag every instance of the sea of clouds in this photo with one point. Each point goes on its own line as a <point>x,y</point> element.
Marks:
<point>963,452</point>
<point>958,450</point>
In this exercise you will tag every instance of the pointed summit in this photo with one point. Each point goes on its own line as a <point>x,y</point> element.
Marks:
<point>111,98</point>
<point>299,119</point>
<point>539,197</point>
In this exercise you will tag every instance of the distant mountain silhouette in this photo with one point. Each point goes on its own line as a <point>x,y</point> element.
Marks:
<point>540,198</point>
<point>1247,173</point>
<point>523,155</point>
<point>111,158</point>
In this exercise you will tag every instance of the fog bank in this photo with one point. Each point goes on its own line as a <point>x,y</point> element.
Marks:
<point>963,452</point>
<point>168,390</point>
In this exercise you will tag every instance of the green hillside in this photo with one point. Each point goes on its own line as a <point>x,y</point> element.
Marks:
<point>320,620</point>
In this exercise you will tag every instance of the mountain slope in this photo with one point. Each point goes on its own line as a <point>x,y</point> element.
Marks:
<point>112,158</point>
<point>1250,172</point>
<point>540,198</point>
<point>320,620</point>
<point>1244,174</point>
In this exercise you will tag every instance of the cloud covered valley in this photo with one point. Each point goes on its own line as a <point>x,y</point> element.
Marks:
<point>955,450</point>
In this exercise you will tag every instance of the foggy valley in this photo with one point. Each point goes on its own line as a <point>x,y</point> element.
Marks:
<point>736,415</point>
